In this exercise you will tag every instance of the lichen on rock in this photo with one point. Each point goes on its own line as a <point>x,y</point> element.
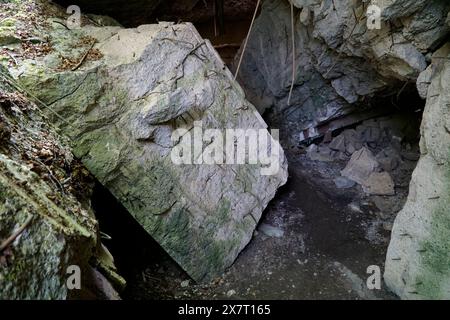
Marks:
<point>120,111</point>
<point>44,206</point>
<point>340,63</point>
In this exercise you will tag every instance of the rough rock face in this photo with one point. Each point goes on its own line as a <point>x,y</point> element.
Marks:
<point>49,245</point>
<point>51,230</point>
<point>120,108</point>
<point>418,259</point>
<point>340,63</point>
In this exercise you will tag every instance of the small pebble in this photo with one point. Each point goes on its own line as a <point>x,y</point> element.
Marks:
<point>185,284</point>
<point>231,293</point>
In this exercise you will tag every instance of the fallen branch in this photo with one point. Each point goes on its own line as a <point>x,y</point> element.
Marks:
<point>84,57</point>
<point>63,24</point>
<point>5,244</point>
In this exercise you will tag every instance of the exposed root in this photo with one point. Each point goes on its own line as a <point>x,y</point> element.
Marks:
<point>246,39</point>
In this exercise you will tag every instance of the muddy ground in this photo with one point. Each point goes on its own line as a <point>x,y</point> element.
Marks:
<point>330,238</point>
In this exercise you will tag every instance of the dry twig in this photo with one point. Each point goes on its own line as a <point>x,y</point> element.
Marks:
<point>5,244</point>
<point>84,57</point>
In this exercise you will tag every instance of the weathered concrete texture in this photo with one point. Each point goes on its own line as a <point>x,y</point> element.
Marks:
<point>120,112</point>
<point>418,259</point>
<point>340,63</point>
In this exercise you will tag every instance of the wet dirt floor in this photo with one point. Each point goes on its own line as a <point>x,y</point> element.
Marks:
<point>323,254</point>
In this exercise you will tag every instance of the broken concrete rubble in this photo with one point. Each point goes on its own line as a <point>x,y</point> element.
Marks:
<point>122,110</point>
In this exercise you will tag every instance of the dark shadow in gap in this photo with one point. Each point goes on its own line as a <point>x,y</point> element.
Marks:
<point>139,258</point>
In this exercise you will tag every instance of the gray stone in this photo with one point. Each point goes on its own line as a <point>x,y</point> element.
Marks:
<point>355,207</point>
<point>371,134</point>
<point>271,231</point>
<point>352,142</point>
<point>388,164</point>
<point>305,3</point>
<point>55,239</point>
<point>343,183</point>
<point>231,293</point>
<point>361,165</point>
<point>102,287</point>
<point>343,156</point>
<point>338,143</point>
<point>122,110</point>
<point>127,11</point>
<point>380,184</point>
<point>387,205</point>
<point>424,81</point>
<point>389,159</point>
